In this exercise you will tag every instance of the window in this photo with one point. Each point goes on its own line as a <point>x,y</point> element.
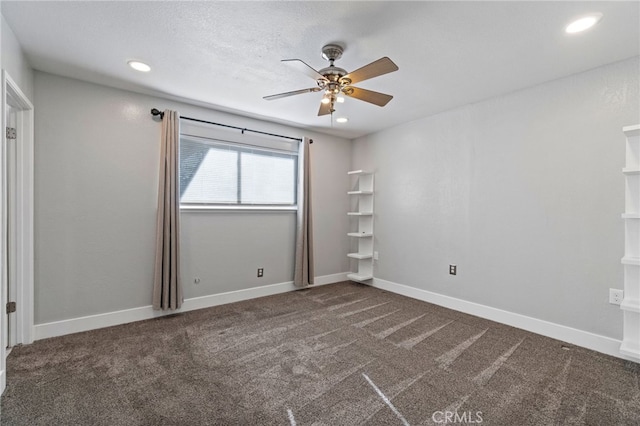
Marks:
<point>219,173</point>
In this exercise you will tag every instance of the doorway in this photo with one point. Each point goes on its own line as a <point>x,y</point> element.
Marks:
<point>9,227</point>
<point>16,224</point>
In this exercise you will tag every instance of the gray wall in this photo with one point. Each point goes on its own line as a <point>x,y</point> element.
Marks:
<point>14,61</point>
<point>523,192</point>
<point>96,164</point>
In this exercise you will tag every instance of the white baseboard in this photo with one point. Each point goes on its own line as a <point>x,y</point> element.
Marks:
<point>3,381</point>
<point>330,279</point>
<point>92,322</point>
<point>574,336</point>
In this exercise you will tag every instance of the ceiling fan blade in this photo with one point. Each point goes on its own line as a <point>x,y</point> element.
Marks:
<point>374,69</point>
<point>295,92</point>
<point>370,96</point>
<point>324,109</point>
<point>304,68</point>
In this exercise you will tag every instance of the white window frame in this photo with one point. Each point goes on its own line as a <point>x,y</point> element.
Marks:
<point>243,140</point>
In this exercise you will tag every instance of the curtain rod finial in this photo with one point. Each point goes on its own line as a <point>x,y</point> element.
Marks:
<point>156,111</point>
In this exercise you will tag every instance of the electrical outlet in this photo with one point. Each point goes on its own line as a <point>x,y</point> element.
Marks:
<point>375,255</point>
<point>453,269</point>
<point>260,272</point>
<point>615,296</point>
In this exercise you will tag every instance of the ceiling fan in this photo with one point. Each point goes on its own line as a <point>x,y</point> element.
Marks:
<point>335,80</point>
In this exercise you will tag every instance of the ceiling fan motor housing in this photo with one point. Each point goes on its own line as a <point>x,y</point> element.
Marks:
<point>333,74</point>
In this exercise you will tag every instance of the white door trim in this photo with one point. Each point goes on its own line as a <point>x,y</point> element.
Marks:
<point>12,94</point>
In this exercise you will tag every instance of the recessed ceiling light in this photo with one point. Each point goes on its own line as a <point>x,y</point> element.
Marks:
<point>139,66</point>
<point>583,23</point>
<point>342,119</point>
<point>340,99</point>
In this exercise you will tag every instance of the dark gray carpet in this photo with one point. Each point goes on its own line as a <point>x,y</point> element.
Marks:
<point>343,354</point>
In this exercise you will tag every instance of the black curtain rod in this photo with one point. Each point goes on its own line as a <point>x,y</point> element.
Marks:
<point>156,112</point>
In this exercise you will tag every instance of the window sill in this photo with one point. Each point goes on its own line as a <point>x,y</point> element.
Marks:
<point>200,209</point>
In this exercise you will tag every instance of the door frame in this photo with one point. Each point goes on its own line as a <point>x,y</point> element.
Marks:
<point>24,212</point>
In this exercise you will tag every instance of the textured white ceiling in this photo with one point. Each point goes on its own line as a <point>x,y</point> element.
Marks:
<point>227,54</point>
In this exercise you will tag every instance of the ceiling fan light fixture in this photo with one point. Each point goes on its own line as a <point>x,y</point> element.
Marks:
<point>583,23</point>
<point>139,66</point>
<point>325,100</point>
<point>340,99</point>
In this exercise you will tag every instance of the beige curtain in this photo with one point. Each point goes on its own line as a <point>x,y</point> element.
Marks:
<point>167,290</point>
<point>303,275</point>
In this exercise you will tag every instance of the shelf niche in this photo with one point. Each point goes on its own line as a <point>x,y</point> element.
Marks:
<point>630,305</point>
<point>361,215</point>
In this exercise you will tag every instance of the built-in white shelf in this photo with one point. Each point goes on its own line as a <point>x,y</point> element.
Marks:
<point>360,255</point>
<point>629,350</point>
<point>359,277</point>
<point>630,305</point>
<point>361,213</point>
<point>631,130</point>
<point>360,234</point>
